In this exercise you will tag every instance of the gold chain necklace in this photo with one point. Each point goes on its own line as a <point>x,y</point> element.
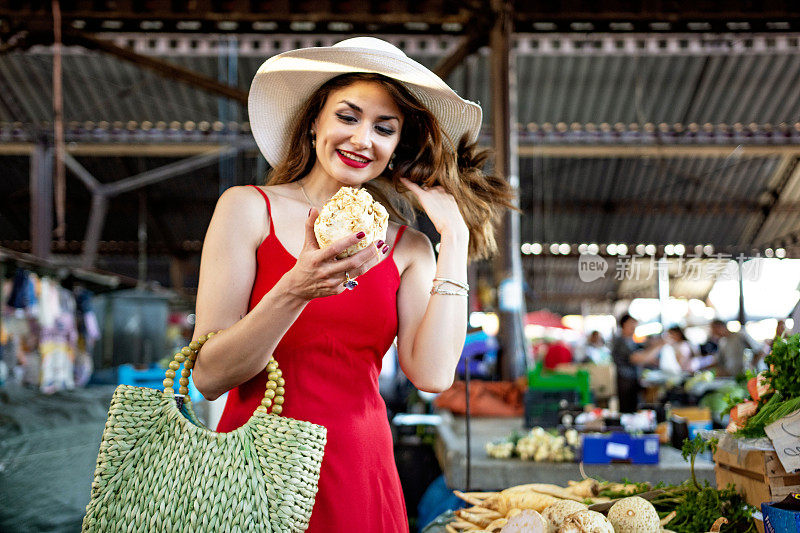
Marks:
<point>307,198</point>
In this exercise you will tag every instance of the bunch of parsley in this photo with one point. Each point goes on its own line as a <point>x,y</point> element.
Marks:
<point>698,506</point>
<point>784,365</point>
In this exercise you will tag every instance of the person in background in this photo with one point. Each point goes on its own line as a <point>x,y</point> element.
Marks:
<point>630,357</point>
<point>596,350</point>
<point>780,331</point>
<point>732,345</point>
<point>780,328</point>
<point>684,351</point>
<point>558,353</point>
<point>711,346</point>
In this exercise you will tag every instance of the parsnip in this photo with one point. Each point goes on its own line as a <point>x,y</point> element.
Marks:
<point>473,498</point>
<point>588,488</point>
<point>546,488</point>
<point>479,519</point>
<point>718,523</point>
<point>497,525</point>
<point>520,499</point>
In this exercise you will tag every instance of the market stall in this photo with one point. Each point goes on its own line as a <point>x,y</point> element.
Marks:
<point>743,478</point>
<point>488,473</point>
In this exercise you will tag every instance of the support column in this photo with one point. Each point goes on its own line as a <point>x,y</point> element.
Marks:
<point>94,230</point>
<point>142,233</point>
<point>41,187</point>
<point>742,315</point>
<point>663,289</point>
<point>508,265</point>
<point>228,110</point>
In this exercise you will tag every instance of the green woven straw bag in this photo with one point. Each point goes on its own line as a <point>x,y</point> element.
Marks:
<point>160,470</point>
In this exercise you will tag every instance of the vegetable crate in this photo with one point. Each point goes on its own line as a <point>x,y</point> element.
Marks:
<point>543,407</point>
<point>758,476</point>
<point>541,379</point>
<point>616,447</point>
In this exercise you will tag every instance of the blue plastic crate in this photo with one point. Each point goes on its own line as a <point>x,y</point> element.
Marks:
<point>601,449</point>
<point>152,378</point>
<point>777,520</point>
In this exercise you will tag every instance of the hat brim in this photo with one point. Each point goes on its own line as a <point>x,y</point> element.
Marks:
<point>286,81</point>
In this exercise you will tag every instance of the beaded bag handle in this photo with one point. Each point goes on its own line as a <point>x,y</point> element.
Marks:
<point>273,396</point>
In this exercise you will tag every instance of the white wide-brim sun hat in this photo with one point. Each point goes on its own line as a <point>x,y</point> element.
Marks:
<point>286,81</point>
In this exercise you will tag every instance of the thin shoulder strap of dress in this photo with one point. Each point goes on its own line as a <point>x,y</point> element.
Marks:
<point>400,231</point>
<point>269,209</point>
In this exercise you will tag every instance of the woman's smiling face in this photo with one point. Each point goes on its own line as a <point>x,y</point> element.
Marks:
<point>357,131</point>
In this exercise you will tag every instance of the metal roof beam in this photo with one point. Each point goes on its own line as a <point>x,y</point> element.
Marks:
<point>158,148</point>
<point>677,207</point>
<point>619,207</point>
<point>477,37</point>
<point>624,151</point>
<point>82,174</point>
<point>41,198</point>
<point>785,170</point>
<point>168,171</point>
<point>94,229</point>
<point>409,16</point>
<point>164,68</point>
<point>97,215</point>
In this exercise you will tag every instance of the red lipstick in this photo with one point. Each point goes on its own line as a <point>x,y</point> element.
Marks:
<point>349,161</point>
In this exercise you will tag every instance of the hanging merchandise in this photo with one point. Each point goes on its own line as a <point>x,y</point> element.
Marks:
<point>57,342</point>
<point>47,331</point>
<point>22,291</point>
<point>88,334</point>
<point>20,330</point>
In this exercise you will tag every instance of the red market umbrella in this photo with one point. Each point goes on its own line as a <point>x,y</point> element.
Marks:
<point>545,319</point>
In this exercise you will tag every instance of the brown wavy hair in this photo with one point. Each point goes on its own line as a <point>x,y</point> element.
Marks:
<point>420,156</point>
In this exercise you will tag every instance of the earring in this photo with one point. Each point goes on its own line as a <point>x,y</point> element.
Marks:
<point>313,140</point>
<point>391,162</point>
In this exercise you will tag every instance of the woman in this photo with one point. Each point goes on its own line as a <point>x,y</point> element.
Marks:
<point>684,353</point>
<point>357,114</point>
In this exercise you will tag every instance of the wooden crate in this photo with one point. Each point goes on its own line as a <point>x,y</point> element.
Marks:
<point>758,475</point>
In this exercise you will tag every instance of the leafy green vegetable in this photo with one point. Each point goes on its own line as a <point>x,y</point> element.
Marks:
<point>691,448</point>
<point>723,400</point>
<point>698,506</point>
<point>774,409</point>
<point>638,489</point>
<point>744,377</point>
<point>784,364</point>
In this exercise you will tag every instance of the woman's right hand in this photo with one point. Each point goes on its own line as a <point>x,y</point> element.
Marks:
<point>318,273</point>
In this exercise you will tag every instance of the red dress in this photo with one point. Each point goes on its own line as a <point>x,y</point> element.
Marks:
<point>330,358</point>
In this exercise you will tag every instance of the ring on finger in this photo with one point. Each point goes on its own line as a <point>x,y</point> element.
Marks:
<point>349,283</point>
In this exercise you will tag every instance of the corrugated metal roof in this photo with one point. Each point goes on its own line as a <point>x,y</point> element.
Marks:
<point>560,193</point>
<point>670,88</point>
<point>666,88</point>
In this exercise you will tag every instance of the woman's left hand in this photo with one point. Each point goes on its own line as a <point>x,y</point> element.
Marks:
<point>440,206</point>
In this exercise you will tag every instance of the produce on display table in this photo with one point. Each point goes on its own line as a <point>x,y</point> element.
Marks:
<point>686,508</point>
<point>634,514</point>
<point>697,506</point>
<point>586,522</point>
<point>559,511</point>
<point>525,510</point>
<point>537,445</point>
<point>774,393</point>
